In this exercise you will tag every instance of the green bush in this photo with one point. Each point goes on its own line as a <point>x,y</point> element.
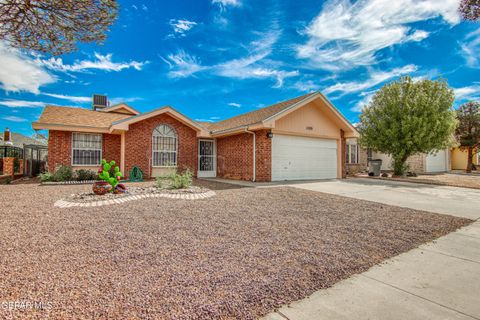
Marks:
<point>175,180</point>
<point>63,173</point>
<point>46,176</point>
<point>83,175</point>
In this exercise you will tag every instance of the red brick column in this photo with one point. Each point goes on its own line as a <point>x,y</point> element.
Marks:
<point>343,152</point>
<point>263,156</point>
<point>8,166</point>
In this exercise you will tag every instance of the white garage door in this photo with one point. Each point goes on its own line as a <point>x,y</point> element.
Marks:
<point>301,158</point>
<point>436,162</point>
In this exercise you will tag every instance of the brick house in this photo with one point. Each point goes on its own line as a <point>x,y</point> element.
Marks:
<point>301,138</point>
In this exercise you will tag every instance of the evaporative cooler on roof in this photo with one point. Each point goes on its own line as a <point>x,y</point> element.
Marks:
<point>99,101</point>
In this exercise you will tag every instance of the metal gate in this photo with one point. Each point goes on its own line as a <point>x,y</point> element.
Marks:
<point>35,159</point>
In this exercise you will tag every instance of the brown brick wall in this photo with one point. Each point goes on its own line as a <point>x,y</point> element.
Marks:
<point>138,144</point>
<point>416,163</point>
<point>111,145</point>
<point>264,156</point>
<point>235,156</point>
<point>59,149</point>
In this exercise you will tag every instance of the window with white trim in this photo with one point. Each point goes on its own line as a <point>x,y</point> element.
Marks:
<point>86,149</point>
<point>164,146</point>
<point>352,153</point>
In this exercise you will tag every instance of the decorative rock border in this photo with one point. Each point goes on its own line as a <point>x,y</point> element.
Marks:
<point>185,196</point>
<point>53,183</point>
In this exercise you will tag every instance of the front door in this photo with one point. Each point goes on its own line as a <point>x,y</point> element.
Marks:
<point>207,159</point>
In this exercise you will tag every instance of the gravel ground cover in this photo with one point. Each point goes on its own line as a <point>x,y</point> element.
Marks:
<point>238,255</point>
<point>445,179</point>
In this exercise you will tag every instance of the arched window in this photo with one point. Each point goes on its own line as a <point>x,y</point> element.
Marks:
<point>164,146</point>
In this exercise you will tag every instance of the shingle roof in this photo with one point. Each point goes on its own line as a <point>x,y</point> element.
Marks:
<point>68,116</point>
<point>257,115</point>
<point>79,117</point>
<point>19,139</point>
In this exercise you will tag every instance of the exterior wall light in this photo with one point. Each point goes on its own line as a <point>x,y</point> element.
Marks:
<point>269,135</point>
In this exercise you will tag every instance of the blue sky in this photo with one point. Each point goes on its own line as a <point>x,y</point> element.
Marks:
<point>214,59</point>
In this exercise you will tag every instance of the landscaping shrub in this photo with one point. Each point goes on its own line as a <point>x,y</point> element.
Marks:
<point>175,180</point>
<point>7,180</point>
<point>45,177</point>
<point>83,175</point>
<point>63,173</point>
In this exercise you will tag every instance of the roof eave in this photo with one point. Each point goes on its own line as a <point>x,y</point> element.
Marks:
<point>63,127</point>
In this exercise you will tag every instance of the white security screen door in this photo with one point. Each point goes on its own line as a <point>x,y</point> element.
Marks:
<point>207,159</point>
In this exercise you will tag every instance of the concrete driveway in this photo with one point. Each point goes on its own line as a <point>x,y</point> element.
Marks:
<point>455,201</point>
<point>438,280</point>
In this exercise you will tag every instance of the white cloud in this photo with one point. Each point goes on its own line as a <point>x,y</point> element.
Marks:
<point>345,34</point>
<point>181,27</point>
<point>418,35</point>
<point>14,119</point>
<point>376,77</point>
<point>183,65</point>
<point>470,48</point>
<point>365,101</point>
<point>227,3</point>
<point>235,105</point>
<point>70,98</point>
<point>118,100</point>
<point>467,93</point>
<point>18,72</point>
<point>250,66</point>
<point>211,119</point>
<point>11,103</point>
<point>306,86</point>
<point>101,62</point>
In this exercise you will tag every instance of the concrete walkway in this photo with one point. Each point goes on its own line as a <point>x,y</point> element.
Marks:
<point>438,280</point>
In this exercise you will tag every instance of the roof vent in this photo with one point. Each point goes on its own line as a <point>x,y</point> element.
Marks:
<point>99,101</point>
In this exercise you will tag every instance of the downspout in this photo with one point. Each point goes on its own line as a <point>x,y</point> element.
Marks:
<point>254,153</point>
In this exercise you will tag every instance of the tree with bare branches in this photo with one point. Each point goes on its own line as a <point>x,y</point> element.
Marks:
<point>55,26</point>
<point>470,9</point>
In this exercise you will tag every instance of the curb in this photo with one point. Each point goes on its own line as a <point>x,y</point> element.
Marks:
<point>194,196</point>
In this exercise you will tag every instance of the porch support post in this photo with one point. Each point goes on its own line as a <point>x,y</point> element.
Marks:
<point>122,153</point>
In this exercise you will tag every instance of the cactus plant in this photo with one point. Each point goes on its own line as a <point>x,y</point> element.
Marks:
<point>104,173</point>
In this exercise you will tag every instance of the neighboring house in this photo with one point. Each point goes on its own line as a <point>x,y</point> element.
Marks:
<point>460,159</point>
<point>302,138</point>
<point>12,153</point>
<point>18,140</point>
<point>420,163</point>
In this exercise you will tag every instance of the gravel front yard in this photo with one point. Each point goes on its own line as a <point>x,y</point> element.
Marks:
<point>443,179</point>
<point>238,255</point>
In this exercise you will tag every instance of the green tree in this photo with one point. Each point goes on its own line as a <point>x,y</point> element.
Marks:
<point>470,9</point>
<point>55,26</point>
<point>406,118</point>
<point>468,130</point>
